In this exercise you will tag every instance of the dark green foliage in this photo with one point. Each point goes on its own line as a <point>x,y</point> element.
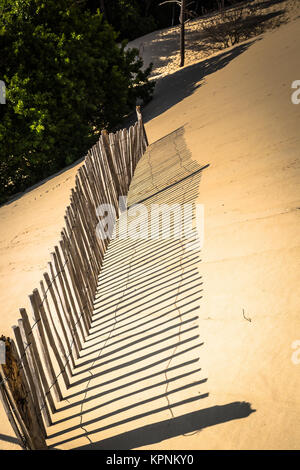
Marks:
<point>66,78</point>
<point>134,18</point>
<point>129,17</point>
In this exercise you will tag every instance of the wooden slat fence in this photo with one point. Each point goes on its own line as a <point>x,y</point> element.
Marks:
<point>39,361</point>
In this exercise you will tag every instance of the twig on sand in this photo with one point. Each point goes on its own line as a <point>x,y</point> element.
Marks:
<point>246,318</point>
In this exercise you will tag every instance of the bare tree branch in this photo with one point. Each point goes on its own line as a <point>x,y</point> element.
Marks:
<point>171,1</point>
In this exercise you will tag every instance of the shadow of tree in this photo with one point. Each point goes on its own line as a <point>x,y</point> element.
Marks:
<point>172,89</point>
<point>239,25</point>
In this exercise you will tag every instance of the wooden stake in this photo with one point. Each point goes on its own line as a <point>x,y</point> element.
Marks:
<point>39,369</point>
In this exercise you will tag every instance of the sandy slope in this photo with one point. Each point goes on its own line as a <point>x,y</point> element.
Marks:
<point>240,120</point>
<point>29,228</point>
<point>161,48</point>
<point>237,116</point>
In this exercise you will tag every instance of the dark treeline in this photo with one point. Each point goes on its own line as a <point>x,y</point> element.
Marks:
<point>67,77</point>
<point>134,18</point>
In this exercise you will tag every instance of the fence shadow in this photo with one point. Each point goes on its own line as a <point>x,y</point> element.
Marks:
<point>172,89</point>
<point>140,362</point>
<point>5,437</point>
<point>188,423</point>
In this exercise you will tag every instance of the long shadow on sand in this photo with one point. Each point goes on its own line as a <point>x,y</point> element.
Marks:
<point>190,422</point>
<point>141,361</point>
<point>174,88</point>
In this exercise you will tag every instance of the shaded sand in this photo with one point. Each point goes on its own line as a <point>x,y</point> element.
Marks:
<point>236,387</point>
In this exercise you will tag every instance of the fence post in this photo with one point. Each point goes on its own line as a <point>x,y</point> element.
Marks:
<point>140,121</point>
<point>20,433</point>
<point>25,390</point>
